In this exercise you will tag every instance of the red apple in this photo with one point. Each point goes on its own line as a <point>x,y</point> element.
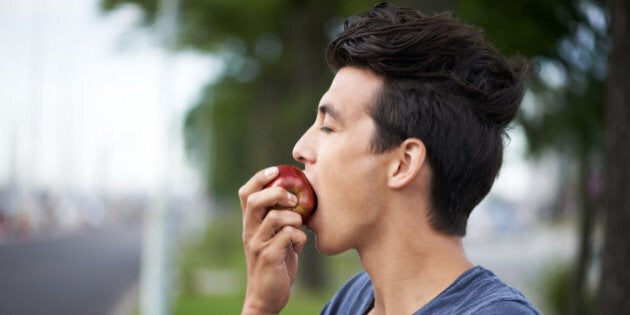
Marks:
<point>294,181</point>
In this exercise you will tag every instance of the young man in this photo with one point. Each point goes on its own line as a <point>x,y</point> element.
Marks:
<point>407,141</point>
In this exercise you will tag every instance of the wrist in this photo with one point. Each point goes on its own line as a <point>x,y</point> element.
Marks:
<point>250,308</point>
<point>254,311</point>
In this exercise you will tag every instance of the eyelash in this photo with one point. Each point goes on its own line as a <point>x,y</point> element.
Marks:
<point>325,129</point>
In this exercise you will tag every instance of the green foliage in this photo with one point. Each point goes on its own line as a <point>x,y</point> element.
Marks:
<point>529,28</point>
<point>567,116</point>
<point>273,77</point>
<point>220,247</point>
<point>556,288</point>
<point>568,122</point>
<point>274,74</point>
<point>265,98</point>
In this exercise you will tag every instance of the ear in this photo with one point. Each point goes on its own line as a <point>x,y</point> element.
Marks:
<point>407,161</point>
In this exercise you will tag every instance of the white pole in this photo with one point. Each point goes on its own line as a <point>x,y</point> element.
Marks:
<point>36,53</point>
<point>156,272</point>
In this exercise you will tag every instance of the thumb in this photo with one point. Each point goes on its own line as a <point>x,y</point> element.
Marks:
<point>298,240</point>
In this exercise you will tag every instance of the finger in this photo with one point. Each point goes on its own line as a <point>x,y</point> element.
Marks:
<point>256,183</point>
<point>276,220</point>
<point>298,241</point>
<point>259,233</point>
<point>259,203</point>
<point>288,237</point>
<point>276,235</point>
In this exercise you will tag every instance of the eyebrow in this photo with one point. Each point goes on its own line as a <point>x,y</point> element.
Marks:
<point>329,110</point>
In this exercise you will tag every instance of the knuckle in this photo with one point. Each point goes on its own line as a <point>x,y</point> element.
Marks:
<point>302,236</point>
<point>248,242</point>
<point>274,215</point>
<point>293,231</point>
<point>242,191</point>
<point>251,199</point>
<point>278,192</point>
<point>253,248</point>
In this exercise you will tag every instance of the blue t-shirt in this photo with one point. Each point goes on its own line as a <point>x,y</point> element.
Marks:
<point>476,291</point>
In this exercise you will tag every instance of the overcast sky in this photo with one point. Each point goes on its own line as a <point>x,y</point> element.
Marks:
<point>84,98</point>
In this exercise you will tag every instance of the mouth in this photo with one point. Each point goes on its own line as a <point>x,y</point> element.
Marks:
<point>315,191</point>
<point>310,218</point>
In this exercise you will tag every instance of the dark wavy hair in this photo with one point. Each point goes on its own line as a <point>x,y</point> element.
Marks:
<point>444,84</point>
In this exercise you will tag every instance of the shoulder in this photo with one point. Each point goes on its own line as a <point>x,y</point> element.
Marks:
<point>479,291</point>
<point>512,307</point>
<point>493,296</point>
<point>356,294</point>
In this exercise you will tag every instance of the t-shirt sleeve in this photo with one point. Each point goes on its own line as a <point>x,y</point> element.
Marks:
<point>507,307</point>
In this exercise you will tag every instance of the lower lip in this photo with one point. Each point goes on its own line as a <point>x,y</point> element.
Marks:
<point>309,222</point>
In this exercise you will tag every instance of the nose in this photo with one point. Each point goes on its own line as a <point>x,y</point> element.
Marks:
<point>304,151</point>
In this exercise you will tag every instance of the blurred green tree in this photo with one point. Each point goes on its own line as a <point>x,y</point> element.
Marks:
<point>265,98</point>
<point>267,94</point>
<point>274,74</point>
<point>568,39</point>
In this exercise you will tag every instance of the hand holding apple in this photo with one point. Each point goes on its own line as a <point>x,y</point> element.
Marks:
<point>294,181</point>
<point>272,242</point>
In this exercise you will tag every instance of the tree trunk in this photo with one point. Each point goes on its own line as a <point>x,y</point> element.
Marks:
<point>614,292</point>
<point>579,294</point>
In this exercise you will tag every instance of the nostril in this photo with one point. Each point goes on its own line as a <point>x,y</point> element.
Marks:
<point>300,159</point>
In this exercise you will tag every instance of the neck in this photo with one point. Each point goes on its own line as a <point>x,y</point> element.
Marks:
<point>411,265</point>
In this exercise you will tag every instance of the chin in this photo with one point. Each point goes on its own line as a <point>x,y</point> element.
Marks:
<point>327,249</point>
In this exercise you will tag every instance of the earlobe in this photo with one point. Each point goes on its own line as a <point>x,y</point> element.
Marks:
<point>408,160</point>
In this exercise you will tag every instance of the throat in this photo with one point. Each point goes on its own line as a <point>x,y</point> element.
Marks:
<point>405,278</point>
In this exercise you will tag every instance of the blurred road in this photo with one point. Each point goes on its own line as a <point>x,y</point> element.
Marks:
<point>84,273</point>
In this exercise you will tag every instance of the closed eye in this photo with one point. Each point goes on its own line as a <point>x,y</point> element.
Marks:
<point>325,129</point>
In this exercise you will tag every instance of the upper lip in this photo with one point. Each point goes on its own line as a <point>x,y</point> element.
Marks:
<point>311,182</point>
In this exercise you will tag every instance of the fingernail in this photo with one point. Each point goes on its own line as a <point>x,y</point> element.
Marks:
<point>272,171</point>
<point>292,198</point>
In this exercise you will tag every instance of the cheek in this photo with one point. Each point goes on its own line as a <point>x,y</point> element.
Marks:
<point>351,195</point>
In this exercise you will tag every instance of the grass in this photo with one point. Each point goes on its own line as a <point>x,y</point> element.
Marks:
<point>231,304</point>
<point>196,304</point>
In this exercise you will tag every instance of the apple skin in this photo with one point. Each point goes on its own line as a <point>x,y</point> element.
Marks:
<point>294,181</point>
